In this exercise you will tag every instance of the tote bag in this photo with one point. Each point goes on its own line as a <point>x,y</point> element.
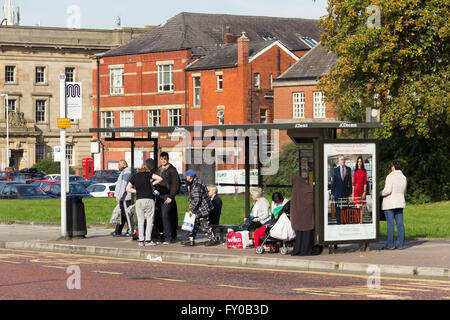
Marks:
<point>282,230</point>
<point>189,222</point>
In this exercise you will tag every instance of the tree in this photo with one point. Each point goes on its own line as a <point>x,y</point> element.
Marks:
<point>397,51</point>
<point>404,60</point>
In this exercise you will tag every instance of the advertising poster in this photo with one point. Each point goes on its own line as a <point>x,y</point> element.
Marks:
<point>350,211</point>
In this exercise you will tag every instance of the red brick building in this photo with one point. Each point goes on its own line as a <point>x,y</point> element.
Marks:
<point>152,80</point>
<point>296,96</point>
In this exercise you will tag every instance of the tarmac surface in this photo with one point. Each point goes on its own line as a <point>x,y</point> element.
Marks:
<point>420,258</point>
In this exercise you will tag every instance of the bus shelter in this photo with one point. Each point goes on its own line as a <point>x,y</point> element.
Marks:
<point>339,217</point>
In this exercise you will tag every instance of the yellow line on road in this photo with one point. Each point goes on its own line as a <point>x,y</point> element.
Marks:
<point>422,281</point>
<point>55,267</point>
<point>14,262</point>
<point>107,272</point>
<point>171,280</point>
<point>235,287</point>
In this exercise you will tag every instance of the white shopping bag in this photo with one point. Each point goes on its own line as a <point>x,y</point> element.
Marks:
<point>282,230</point>
<point>115,217</point>
<point>189,222</point>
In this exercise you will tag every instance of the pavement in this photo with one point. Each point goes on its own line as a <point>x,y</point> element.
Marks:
<point>420,258</point>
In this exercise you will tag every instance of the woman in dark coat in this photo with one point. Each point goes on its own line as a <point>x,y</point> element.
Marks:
<point>302,217</point>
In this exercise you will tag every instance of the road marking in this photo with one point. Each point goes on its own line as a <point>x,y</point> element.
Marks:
<point>236,287</point>
<point>107,272</point>
<point>421,281</point>
<point>55,267</point>
<point>166,279</point>
<point>14,262</point>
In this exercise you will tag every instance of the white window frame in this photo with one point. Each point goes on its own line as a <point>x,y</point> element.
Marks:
<point>107,121</point>
<point>298,105</point>
<point>197,91</point>
<point>12,105</point>
<point>261,111</point>
<point>220,82</point>
<point>172,115</point>
<point>43,72</point>
<point>13,74</point>
<point>319,105</point>
<point>127,121</point>
<point>154,118</point>
<point>162,74</point>
<point>38,101</point>
<point>116,83</point>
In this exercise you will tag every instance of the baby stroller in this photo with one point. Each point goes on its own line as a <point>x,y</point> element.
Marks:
<point>279,237</point>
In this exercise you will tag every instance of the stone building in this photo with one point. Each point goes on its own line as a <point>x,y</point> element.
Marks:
<point>31,59</point>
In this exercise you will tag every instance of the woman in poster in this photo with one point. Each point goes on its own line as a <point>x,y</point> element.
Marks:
<point>360,187</point>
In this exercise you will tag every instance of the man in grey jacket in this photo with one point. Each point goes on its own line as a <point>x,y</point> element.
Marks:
<point>123,198</point>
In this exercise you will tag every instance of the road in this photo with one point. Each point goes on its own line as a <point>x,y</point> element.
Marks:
<point>28,275</point>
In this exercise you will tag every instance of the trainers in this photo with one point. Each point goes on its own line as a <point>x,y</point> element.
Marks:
<point>127,234</point>
<point>141,244</point>
<point>114,234</point>
<point>150,243</point>
<point>166,243</point>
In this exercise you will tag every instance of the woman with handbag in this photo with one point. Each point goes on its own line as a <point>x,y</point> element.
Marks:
<point>360,187</point>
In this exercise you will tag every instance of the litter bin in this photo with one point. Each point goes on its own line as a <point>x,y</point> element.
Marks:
<point>76,217</point>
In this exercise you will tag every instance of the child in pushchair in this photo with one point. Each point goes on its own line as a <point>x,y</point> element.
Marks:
<point>279,242</point>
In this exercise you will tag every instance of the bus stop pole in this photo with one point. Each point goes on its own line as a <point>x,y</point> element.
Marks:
<point>62,100</point>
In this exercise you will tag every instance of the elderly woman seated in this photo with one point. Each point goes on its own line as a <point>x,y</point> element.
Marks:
<point>260,214</point>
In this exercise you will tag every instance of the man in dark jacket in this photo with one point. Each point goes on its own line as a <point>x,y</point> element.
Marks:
<point>341,187</point>
<point>166,204</point>
<point>201,206</point>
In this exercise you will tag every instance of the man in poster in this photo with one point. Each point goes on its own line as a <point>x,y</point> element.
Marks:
<point>341,187</point>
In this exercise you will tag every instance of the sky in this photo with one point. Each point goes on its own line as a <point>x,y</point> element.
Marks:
<point>139,13</point>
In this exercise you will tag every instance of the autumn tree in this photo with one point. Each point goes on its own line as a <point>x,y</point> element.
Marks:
<point>393,53</point>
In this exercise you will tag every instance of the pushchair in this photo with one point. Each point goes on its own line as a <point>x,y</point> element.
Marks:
<point>279,237</point>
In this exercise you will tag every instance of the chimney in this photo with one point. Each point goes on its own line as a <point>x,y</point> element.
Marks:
<point>243,50</point>
<point>228,37</point>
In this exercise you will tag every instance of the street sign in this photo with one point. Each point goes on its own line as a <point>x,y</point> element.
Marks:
<point>64,123</point>
<point>73,100</point>
<point>57,155</point>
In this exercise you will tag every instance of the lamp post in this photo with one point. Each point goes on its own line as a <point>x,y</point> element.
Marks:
<point>7,128</point>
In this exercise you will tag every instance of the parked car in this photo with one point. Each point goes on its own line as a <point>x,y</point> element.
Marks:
<point>26,178</point>
<point>86,183</point>
<point>22,191</point>
<point>7,176</point>
<point>106,173</point>
<point>44,185</point>
<point>72,177</point>
<point>102,190</point>
<point>5,183</point>
<point>103,179</point>
<point>33,171</point>
<point>51,177</point>
<point>75,190</point>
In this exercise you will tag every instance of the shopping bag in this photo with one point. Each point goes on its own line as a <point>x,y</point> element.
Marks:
<point>115,217</point>
<point>189,222</point>
<point>238,240</point>
<point>282,230</point>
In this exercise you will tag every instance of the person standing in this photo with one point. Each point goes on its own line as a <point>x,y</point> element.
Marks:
<point>141,185</point>
<point>360,187</point>
<point>123,198</point>
<point>167,206</point>
<point>341,187</point>
<point>201,206</point>
<point>393,204</point>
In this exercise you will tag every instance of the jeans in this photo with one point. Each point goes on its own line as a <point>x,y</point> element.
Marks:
<point>145,209</point>
<point>166,213</point>
<point>395,216</point>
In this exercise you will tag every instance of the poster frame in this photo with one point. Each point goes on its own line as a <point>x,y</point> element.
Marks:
<point>320,184</point>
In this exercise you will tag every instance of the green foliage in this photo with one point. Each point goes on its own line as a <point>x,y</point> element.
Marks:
<point>48,166</point>
<point>406,63</point>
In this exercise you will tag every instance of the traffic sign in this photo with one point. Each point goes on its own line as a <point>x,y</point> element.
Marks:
<point>63,123</point>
